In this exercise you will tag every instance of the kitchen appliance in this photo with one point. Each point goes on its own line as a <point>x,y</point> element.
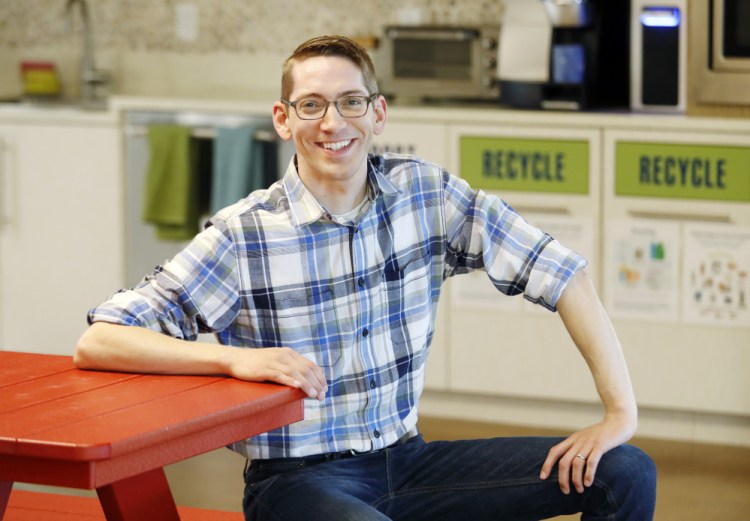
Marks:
<point>416,63</point>
<point>565,54</point>
<point>720,52</point>
<point>658,55</point>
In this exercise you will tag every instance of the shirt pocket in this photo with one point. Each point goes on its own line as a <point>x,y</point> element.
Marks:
<point>408,294</point>
<point>306,321</point>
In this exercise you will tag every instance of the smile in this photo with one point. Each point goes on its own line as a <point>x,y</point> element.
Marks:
<point>337,145</point>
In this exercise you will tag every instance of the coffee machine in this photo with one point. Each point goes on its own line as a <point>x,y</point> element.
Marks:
<point>565,54</point>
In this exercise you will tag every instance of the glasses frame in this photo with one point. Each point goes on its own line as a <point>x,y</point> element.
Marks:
<point>370,100</point>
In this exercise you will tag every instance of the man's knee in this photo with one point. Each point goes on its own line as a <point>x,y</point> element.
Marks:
<point>629,476</point>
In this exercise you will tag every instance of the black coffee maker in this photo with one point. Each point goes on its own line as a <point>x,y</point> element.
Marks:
<point>587,59</point>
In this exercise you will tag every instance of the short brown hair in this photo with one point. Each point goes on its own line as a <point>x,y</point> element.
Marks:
<point>332,45</point>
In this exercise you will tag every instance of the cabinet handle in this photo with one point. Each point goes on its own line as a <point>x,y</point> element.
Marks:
<point>553,210</point>
<point>674,216</point>
<point>6,190</point>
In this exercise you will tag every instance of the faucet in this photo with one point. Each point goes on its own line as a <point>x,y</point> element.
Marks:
<point>91,77</point>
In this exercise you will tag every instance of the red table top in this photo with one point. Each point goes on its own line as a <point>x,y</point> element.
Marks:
<point>63,426</point>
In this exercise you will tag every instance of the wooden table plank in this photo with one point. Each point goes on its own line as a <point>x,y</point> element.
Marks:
<point>16,367</point>
<point>159,420</point>
<point>50,387</point>
<point>22,427</point>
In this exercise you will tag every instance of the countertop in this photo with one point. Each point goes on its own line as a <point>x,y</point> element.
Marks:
<point>468,114</point>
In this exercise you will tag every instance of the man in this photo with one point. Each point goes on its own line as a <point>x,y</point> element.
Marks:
<point>329,281</point>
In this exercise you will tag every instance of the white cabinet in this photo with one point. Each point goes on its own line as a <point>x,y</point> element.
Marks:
<point>677,257</point>
<point>61,247</point>
<point>505,345</point>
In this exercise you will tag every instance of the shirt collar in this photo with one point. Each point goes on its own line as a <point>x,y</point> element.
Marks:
<point>306,209</point>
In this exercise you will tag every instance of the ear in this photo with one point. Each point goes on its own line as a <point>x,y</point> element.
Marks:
<point>380,109</point>
<point>281,121</point>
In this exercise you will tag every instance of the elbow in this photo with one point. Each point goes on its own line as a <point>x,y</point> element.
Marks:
<point>88,346</point>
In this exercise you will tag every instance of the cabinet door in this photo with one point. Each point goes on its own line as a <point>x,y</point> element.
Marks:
<point>504,345</point>
<point>425,140</point>
<point>61,237</point>
<point>676,264</point>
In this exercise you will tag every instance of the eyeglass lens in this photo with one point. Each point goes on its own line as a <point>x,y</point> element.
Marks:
<point>348,106</point>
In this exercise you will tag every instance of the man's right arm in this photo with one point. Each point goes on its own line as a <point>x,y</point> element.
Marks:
<point>106,346</point>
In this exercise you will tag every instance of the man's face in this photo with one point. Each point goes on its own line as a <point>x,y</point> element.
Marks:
<point>333,148</point>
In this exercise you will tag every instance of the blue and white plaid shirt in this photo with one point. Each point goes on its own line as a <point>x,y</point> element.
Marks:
<point>358,298</point>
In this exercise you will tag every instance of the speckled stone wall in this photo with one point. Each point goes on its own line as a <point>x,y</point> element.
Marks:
<point>223,25</point>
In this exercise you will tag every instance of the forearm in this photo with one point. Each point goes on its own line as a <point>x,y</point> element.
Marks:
<point>134,349</point>
<point>590,328</point>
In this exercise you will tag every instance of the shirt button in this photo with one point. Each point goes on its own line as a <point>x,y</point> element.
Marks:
<point>373,384</point>
<point>365,332</point>
<point>361,282</point>
<point>377,433</point>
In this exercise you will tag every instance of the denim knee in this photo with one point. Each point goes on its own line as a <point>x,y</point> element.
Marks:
<point>629,476</point>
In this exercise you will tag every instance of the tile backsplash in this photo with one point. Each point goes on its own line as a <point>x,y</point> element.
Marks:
<point>203,48</point>
<point>226,25</point>
<point>199,47</point>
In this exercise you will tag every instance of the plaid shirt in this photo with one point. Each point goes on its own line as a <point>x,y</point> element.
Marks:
<point>358,298</point>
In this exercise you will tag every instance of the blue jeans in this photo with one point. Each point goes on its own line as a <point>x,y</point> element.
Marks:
<point>495,479</point>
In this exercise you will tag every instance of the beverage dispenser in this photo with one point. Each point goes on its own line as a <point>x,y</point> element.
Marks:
<point>584,63</point>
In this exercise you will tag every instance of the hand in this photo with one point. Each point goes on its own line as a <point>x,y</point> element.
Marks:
<point>281,365</point>
<point>591,443</point>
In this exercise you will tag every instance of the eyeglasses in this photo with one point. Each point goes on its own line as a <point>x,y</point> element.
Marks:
<point>314,107</point>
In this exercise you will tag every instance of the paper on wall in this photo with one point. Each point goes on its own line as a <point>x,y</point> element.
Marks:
<point>642,269</point>
<point>716,263</point>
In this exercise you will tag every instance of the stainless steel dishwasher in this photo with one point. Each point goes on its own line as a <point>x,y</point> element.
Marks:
<point>143,250</point>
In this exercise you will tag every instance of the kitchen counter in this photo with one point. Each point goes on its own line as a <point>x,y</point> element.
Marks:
<point>261,103</point>
<point>19,112</point>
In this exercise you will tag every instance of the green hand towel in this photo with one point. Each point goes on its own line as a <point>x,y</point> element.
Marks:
<point>171,202</point>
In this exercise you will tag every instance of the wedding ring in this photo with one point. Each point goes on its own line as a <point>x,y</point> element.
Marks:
<point>581,456</point>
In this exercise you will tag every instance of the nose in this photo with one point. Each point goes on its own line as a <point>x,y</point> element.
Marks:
<point>332,120</point>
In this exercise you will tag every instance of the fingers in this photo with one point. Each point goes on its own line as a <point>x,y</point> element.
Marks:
<point>301,373</point>
<point>284,366</point>
<point>576,465</point>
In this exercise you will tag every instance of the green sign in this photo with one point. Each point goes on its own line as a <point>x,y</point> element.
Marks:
<point>705,172</point>
<point>529,165</point>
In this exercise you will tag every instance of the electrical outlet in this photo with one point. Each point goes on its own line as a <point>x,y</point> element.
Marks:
<point>186,21</point>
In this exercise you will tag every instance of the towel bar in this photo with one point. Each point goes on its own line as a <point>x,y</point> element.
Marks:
<point>199,132</point>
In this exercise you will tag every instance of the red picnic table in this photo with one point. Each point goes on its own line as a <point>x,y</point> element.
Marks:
<point>114,432</point>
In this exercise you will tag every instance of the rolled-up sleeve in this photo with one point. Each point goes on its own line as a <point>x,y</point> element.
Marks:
<point>195,292</point>
<point>485,233</point>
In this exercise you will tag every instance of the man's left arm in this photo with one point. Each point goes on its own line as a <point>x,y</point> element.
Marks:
<point>591,330</point>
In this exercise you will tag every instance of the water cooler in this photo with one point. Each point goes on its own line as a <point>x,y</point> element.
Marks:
<point>658,55</point>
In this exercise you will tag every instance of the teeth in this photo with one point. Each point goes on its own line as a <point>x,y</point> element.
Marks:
<point>336,146</point>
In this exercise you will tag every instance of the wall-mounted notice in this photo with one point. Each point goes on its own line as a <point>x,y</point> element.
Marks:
<point>529,165</point>
<point>641,269</point>
<point>683,171</point>
<point>716,263</point>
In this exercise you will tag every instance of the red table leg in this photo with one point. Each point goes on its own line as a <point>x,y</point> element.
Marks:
<point>5,488</point>
<point>145,496</point>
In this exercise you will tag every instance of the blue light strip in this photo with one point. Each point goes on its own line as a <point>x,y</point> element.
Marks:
<point>660,17</point>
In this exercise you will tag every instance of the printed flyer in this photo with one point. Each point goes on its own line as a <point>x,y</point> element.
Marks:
<point>642,269</point>
<point>716,263</point>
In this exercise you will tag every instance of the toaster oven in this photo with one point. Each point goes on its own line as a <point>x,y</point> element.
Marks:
<point>439,62</point>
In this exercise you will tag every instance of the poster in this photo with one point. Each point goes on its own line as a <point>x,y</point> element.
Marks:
<point>642,269</point>
<point>716,263</point>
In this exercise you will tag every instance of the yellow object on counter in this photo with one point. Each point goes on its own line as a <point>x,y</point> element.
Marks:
<point>40,79</point>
